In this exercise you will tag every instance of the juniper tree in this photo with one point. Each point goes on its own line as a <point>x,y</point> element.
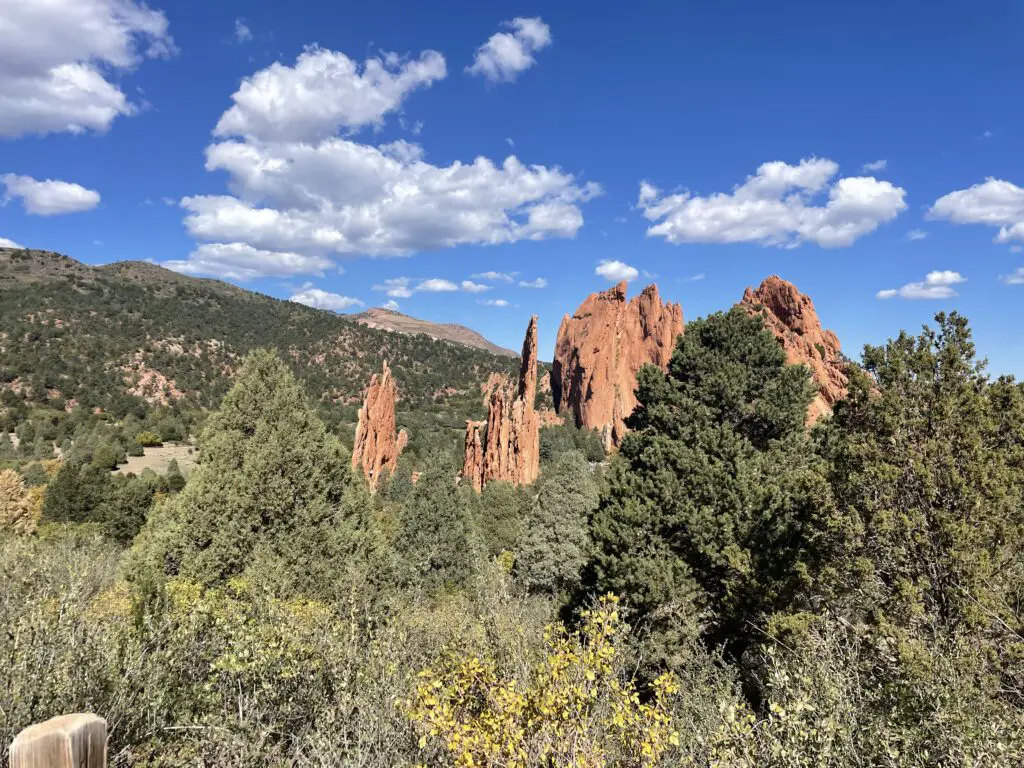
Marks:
<point>266,459</point>
<point>555,544</point>
<point>715,500</point>
<point>433,539</point>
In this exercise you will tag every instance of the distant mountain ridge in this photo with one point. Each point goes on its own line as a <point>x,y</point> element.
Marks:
<point>109,337</point>
<point>390,320</point>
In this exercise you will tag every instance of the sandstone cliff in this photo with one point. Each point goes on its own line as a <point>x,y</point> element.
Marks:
<point>509,450</point>
<point>376,446</point>
<point>790,315</point>
<point>599,350</point>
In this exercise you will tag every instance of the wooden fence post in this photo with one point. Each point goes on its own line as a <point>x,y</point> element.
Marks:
<point>68,741</point>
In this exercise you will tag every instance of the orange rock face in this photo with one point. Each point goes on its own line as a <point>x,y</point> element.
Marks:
<point>376,447</point>
<point>790,315</point>
<point>509,450</point>
<point>601,348</point>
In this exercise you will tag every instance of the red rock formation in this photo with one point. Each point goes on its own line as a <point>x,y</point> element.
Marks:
<point>790,315</point>
<point>599,351</point>
<point>376,447</point>
<point>510,448</point>
<point>473,460</point>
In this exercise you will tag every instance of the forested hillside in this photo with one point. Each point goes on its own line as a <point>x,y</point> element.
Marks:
<point>731,589</point>
<point>127,336</point>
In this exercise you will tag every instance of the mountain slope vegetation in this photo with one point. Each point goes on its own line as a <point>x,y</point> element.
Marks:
<point>126,335</point>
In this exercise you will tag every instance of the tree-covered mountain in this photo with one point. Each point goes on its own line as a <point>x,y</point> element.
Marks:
<point>124,336</point>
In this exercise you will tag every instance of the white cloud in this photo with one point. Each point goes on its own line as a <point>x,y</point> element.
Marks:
<point>493,302</point>
<point>353,198</point>
<point>1017,249</point>
<point>875,166</point>
<point>540,282</point>
<point>774,207</point>
<point>320,299</point>
<point>242,33</point>
<point>1015,278</point>
<point>696,278</point>
<point>50,197</point>
<point>324,91</point>
<point>994,202</point>
<point>506,54</point>
<point>510,142</point>
<point>403,288</point>
<point>436,285</point>
<point>240,261</point>
<point>616,271</point>
<point>56,57</point>
<point>5,243</point>
<point>297,186</point>
<point>396,287</point>
<point>916,234</point>
<point>391,304</point>
<point>505,277</point>
<point>936,285</point>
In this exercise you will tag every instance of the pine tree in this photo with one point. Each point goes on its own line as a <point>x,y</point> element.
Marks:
<point>175,480</point>
<point>716,498</point>
<point>6,446</point>
<point>555,543</point>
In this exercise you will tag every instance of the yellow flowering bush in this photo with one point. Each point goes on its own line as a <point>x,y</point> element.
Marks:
<point>578,710</point>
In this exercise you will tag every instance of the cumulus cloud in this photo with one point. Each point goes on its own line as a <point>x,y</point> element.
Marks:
<point>404,287</point>
<point>320,299</point>
<point>396,287</point>
<point>936,285</point>
<point>505,277</point>
<point>506,54</point>
<point>50,197</point>
<point>775,207</point>
<point>1015,278</point>
<point>492,302</point>
<point>58,60</point>
<point>616,271</point>
<point>436,285</point>
<point>391,304</point>
<point>5,243</point>
<point>298,186</point>
<point>540,282</point>
<point>242,262</point>
<point>243,34</point>
<point>994,203</point>
<point>324,91</point>
<point>874,166</point>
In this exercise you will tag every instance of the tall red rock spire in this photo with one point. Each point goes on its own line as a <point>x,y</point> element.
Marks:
<point>376,448</point>
<point>791,316</point>
<point>599,351</point>
<point>510,448</point>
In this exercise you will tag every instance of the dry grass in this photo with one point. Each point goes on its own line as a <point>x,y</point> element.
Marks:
<point>158,457</point>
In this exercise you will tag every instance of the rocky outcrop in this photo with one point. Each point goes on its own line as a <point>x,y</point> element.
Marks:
<point>790,315</point>
<point>473,459</point>
<point>509,449</point>
<point>599,351</point>
<point>376,446</point>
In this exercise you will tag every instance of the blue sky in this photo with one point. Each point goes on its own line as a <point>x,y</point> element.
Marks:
<point>327,152</point>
